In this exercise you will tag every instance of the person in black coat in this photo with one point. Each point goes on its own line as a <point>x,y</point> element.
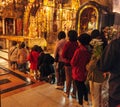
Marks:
<point>110,62</point>
<point>45,66</point>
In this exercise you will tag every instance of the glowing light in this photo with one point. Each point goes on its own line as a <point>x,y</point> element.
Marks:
<point>116,6</point>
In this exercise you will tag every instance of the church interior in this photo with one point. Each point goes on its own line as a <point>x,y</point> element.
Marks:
<point>38,22</point>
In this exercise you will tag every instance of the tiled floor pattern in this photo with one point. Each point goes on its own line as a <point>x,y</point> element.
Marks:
<point>42,96</point>
<point>12,80</point>
<point>36,95</point>
<point>4,54</point>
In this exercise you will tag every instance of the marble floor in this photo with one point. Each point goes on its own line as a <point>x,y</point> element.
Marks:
<point>19,90</point>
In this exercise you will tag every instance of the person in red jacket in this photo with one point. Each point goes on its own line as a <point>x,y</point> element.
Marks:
<point>67,53</point>
<point>78,62</point>
<point>33,59</point>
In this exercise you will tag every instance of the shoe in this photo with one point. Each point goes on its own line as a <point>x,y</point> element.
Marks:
<point>59,87</point>
<point>86,102</point>
<point>73,95</point>
<point>32,74</point>
<point>65,94</point>
<point>79,105</point>
<point>37,77</point>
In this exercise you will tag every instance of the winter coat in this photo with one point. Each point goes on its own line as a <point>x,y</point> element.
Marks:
<point>33,58</point>
<point>13,53</point>
<point>80,58</point>
<point>45,64</point>
<point>110,62</point>
<point>68,51</point>
<point>22,56</point>
<point>93,72</point>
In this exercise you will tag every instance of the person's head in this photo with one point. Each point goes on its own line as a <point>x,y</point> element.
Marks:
<point>27,47</point>
<point>93,18</point>
<point>95,34</point>
<point>72,34</point>
<point>22,45</point>
<point>61,35</point>
<point>14,43</point>
<point>39,49</point>
<point>35,48</point>
<point>84,39</point>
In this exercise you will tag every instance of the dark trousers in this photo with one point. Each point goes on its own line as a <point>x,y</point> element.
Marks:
<point>22,67</point>
<point>82,91</point>
<point>60,74</point>
<point>113,102</point>
<point>14,64</point>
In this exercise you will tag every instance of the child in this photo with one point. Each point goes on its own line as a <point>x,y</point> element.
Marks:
<point>33,58</point>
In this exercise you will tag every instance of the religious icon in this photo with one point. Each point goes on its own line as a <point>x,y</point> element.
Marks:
<point>88,19</point>
<point>9,26</point>
<point>92,23</point>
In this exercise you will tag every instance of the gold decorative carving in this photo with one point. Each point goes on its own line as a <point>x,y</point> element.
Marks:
<point>84,18</point>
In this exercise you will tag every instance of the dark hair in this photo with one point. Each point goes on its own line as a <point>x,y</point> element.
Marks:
<point>61,35</point>
<point>84,39</point>
<point>37,48</point>
<point>14,43</point>
<point>72,34</point>
<point>22,45</point>
<point>34,48</point>
<point>93,16</point>
<point>95,34</point>
<point>27,47</point>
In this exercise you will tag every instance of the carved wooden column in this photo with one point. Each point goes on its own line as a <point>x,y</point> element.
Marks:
<point>3,24</point>
<point>14,26</point>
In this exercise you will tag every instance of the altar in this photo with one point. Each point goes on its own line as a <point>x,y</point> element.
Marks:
<point>5,41</point>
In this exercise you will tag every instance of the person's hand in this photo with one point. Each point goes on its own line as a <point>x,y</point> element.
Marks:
<point>105,74</point>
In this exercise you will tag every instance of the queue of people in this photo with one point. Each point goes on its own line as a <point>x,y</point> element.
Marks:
<point>82,63</point>
<point>85,66</point>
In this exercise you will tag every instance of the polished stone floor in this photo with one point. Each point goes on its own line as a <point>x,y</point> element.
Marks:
<point>19,90</point>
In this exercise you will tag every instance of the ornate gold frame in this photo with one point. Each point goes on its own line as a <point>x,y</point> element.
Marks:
<point>85,7</point>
